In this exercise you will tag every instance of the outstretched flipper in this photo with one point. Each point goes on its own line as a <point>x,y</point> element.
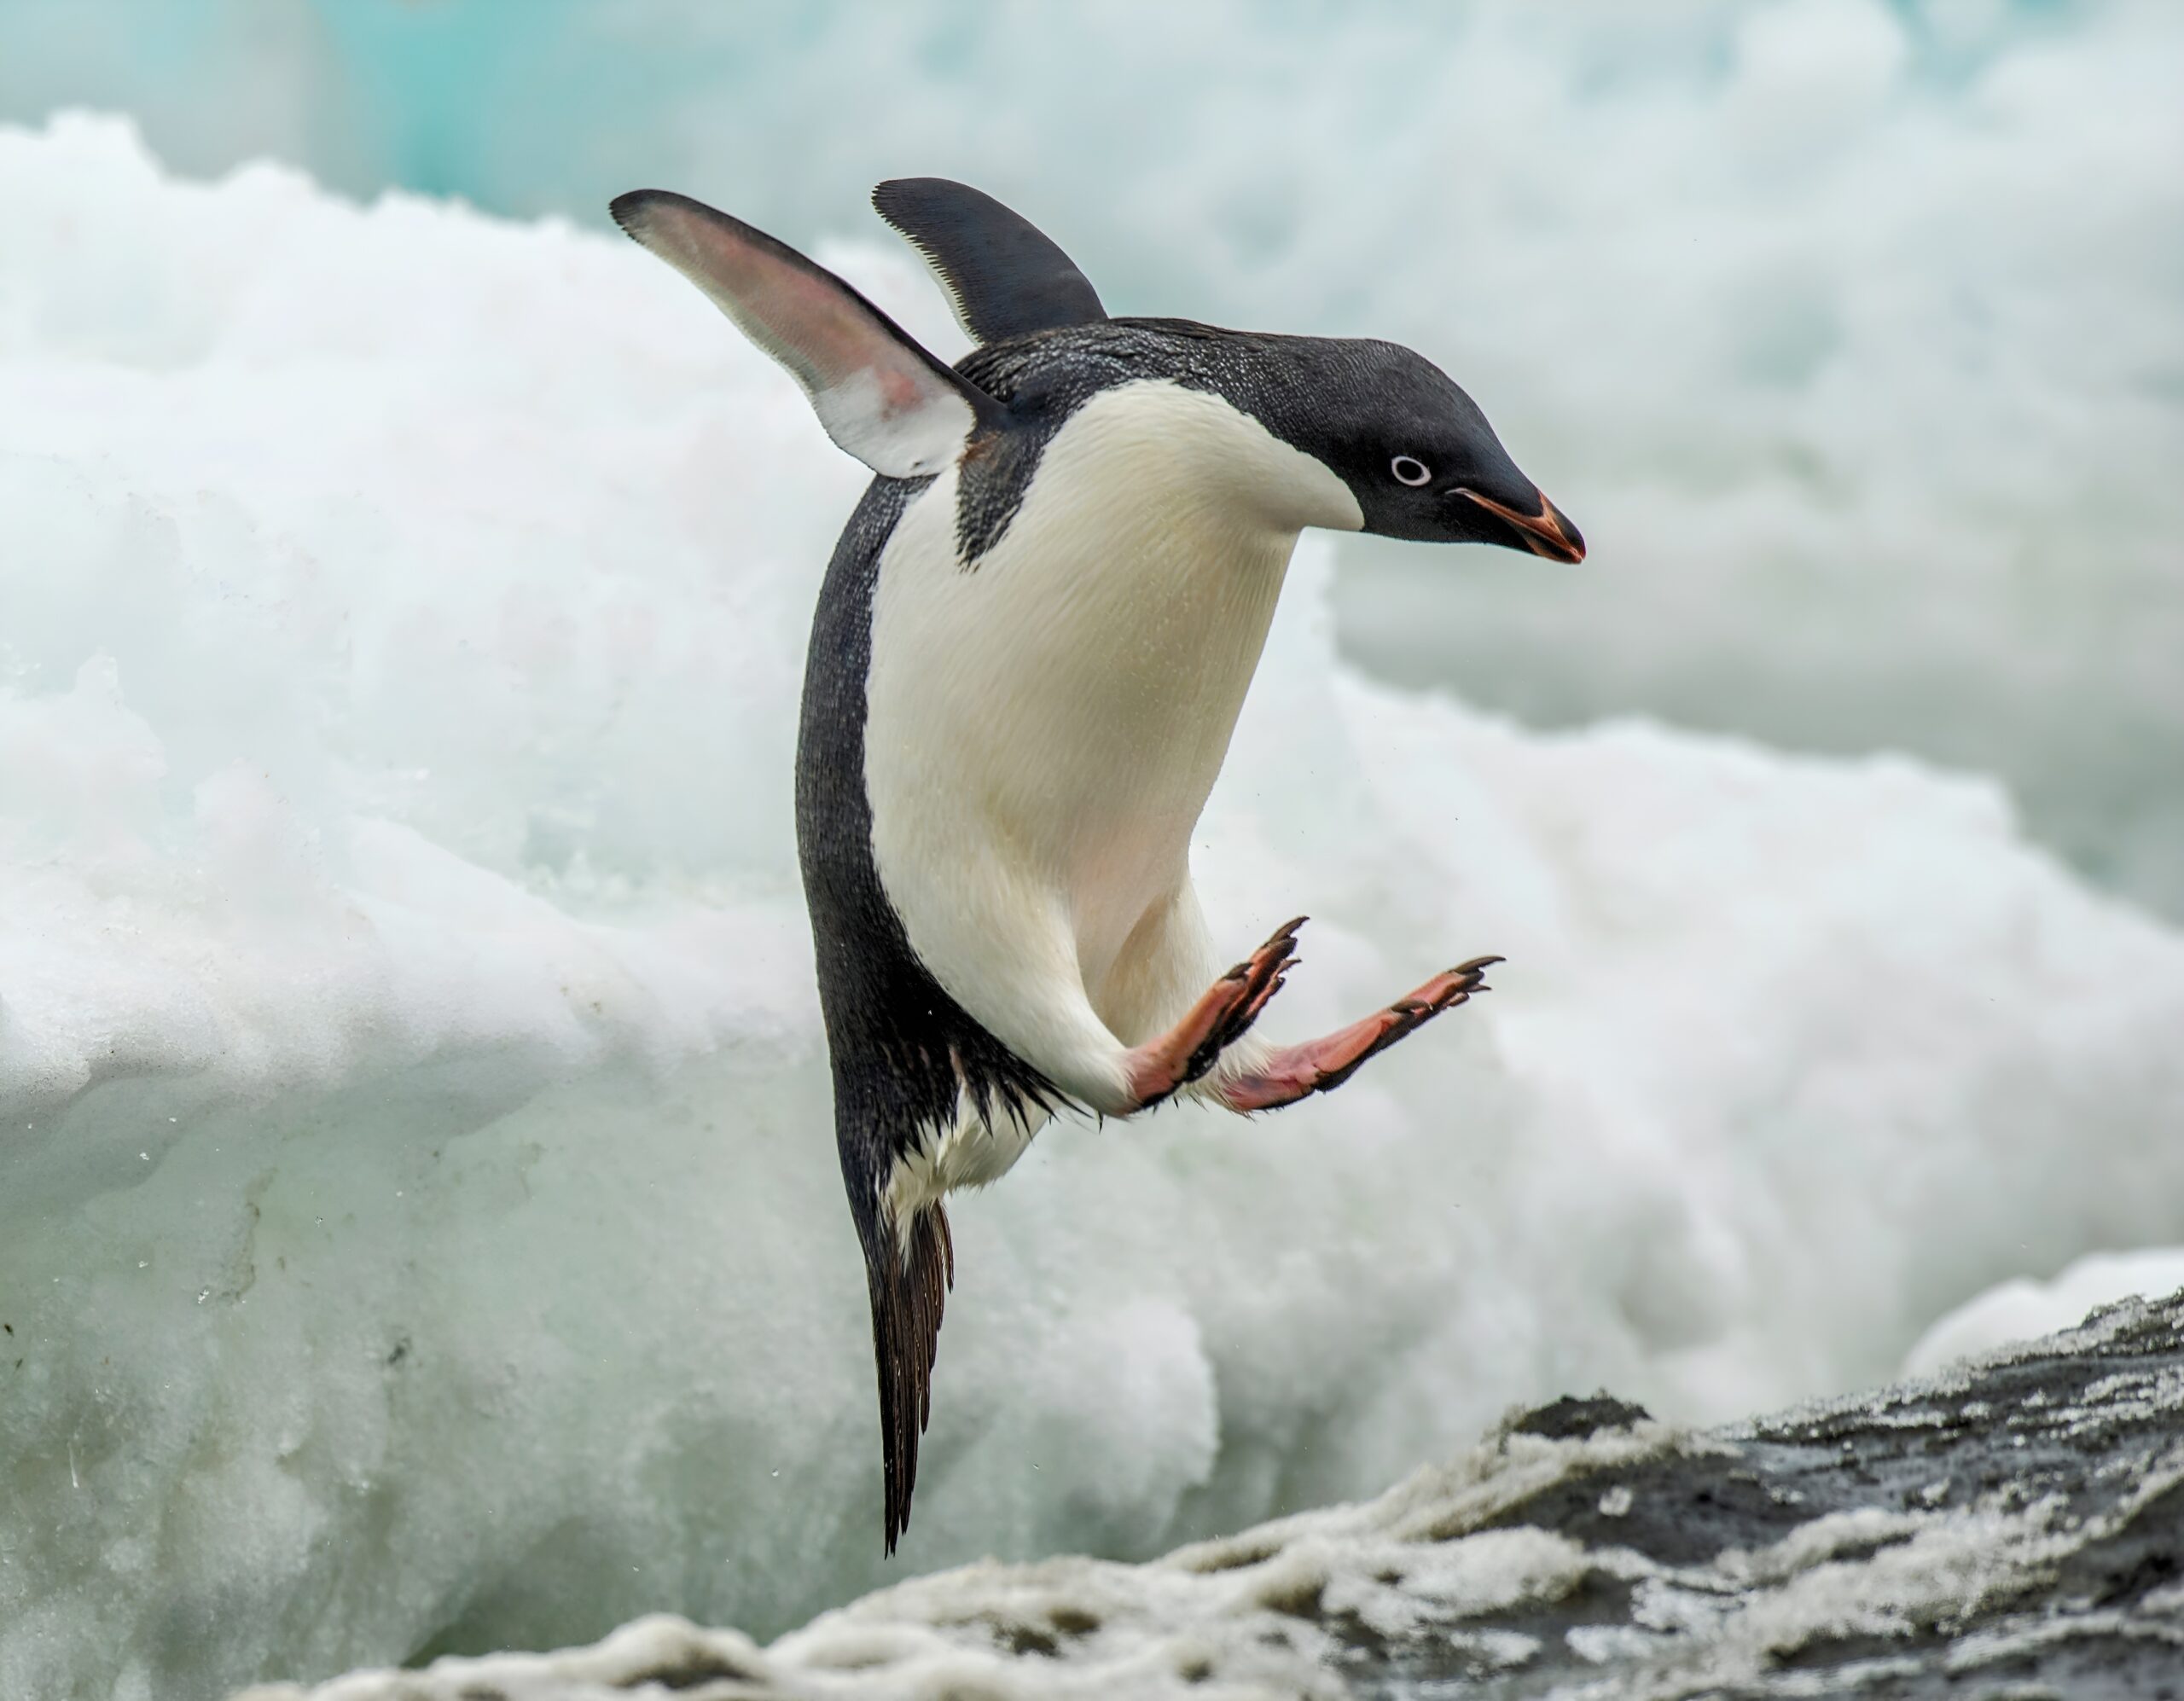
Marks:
<point>879,394</point>
<point>1004,276</point>
<point>910,1290</point>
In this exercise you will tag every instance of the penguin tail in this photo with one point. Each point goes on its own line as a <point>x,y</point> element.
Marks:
<point>910,1270</point>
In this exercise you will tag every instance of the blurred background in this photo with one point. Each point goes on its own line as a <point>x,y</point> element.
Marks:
<point>1855,328</point>
<point>418,1227</point>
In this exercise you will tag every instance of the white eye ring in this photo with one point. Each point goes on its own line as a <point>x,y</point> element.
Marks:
<point>1409,469</point>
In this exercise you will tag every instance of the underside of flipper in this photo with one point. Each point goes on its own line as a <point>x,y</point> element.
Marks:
<point>880,395</point>
<point>1004,276</point>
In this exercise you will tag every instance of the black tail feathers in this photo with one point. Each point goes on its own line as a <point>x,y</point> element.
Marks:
<point>910,1290</point>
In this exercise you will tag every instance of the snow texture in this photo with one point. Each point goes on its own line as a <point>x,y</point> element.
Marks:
<point>1849,330</point>
<point>419,1224</point>
<point>2014,1528</point>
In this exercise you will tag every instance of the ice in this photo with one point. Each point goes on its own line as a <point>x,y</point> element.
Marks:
<point>1848,330</point>
<point>2020,1308</point>
<point>1226,1618</point>
<point>2043,1575</point>
<point>418,1229</point>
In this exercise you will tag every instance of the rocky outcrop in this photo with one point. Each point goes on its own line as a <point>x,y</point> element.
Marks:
<point>2013,1526</point>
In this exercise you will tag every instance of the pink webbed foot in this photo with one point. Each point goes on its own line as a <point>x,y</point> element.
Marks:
<point>1221,1017</point>
<point>1321,1065</point>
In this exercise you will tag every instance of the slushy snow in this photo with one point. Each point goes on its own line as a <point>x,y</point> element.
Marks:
<point>419,1224</point>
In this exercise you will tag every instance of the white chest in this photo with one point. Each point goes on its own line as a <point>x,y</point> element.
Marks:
<point>1044,728</point>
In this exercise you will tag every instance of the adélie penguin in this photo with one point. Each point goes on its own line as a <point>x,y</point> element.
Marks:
<point>1031,649</point>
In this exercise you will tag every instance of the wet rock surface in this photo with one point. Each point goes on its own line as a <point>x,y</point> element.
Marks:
<point>2013,1527</point>
<point>2033,1508</point>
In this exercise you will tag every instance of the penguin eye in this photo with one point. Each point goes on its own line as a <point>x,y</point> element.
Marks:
<point>1409,469</point>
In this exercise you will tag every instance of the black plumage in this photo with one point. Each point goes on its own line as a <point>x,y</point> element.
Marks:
<point>1003,275</point>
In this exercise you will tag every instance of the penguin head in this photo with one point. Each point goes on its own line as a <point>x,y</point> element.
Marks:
<point>1412,449</point>
<point>1418,455</point>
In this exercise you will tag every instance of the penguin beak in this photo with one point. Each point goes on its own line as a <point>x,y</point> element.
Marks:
<point>1547,531</point>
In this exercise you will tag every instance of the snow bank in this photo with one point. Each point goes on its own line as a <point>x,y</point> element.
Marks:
<point>419,1229</point>
<point>1849,328</point>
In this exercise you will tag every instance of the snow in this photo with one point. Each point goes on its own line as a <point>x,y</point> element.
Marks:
<point>1810,310</point>
<point>418,1229</point>
<point>2021,1308</point>
<point>1222,1617</point>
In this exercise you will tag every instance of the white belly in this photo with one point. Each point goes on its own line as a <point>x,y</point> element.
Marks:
<point>1044,728</point>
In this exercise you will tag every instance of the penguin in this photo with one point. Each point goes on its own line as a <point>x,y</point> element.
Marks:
<point>1030,648</point>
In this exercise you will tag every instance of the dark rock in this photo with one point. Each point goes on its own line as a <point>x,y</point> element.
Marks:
<point>1570,1419</point>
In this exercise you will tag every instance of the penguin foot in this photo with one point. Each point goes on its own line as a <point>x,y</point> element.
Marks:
<point>1222,1015</point>
<point>1321,1065</point>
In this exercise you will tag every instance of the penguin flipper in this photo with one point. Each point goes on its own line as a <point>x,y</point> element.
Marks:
<point>879,394</point>
<point>909,1290</point>
<point>1003,275</point>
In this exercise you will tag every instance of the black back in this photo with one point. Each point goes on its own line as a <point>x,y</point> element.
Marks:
<point>1004,276</point>
<point>899,1044</point>
<point>878,1000</point>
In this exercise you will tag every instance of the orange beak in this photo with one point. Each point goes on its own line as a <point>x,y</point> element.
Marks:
<point>1546,533</point>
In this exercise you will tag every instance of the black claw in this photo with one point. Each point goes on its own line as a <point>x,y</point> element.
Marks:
<point>1272,961</point>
